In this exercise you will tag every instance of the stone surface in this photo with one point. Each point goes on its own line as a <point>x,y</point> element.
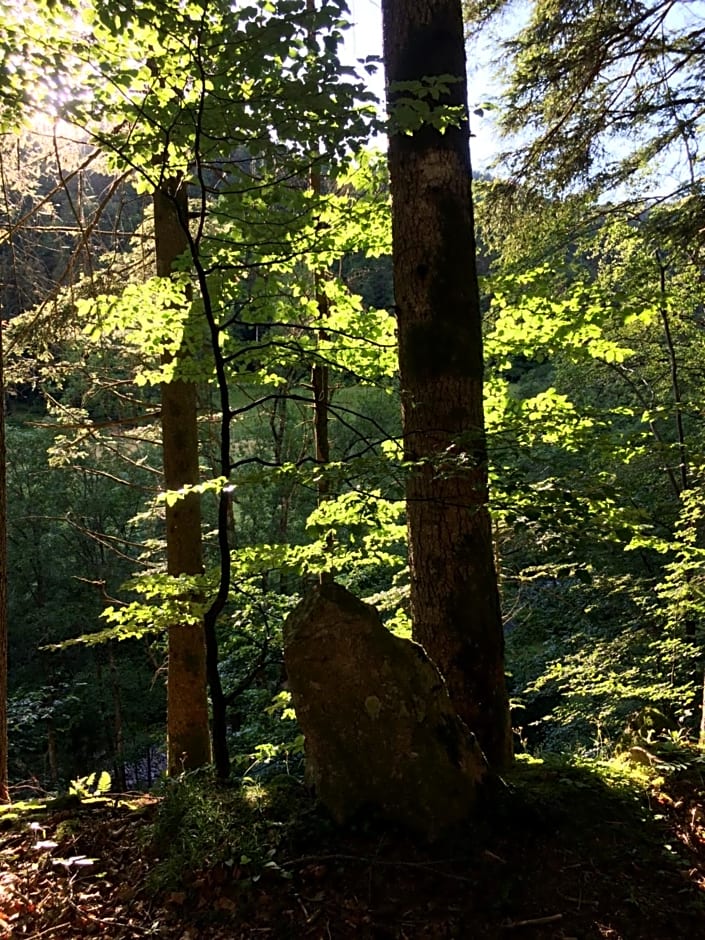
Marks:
<point>379,726</point>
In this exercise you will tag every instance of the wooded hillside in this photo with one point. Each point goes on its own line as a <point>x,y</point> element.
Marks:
<point>350,499</point>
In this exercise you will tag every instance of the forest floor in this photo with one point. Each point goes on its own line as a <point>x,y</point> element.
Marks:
<point>565,851</point>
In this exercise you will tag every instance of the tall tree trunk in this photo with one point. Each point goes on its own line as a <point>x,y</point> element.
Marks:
<point>188,737</point>
<point>690,625</point>
<point>4,791</point>
<point>320,375</point>
<point>320,385</point>
<point>454,597</point>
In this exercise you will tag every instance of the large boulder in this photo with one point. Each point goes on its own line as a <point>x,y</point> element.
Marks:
<point>379,727</point>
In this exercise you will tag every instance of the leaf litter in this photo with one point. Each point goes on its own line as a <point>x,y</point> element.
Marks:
<point>562,855</point>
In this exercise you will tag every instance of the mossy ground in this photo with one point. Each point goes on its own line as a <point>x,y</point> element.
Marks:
<point>563,850</point>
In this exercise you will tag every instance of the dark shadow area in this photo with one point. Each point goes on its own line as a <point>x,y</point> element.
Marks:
<point>555,851</point>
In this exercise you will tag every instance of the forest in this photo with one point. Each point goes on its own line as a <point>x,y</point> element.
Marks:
<point>352,541</point>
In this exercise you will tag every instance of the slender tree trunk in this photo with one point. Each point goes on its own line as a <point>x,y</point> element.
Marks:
<point>4,790</point>
<point>106,723</point>
<point>52,759</point>
<point>320,375</point>
<point>690,625</point>
<point>118,725</point>
<point>675,378</point>
<point>219,703</point>
<point>320,384</point>
<point>188,737</point>
<point>454,597</point>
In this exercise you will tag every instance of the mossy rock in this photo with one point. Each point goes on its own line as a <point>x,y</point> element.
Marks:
<point>379,727</point>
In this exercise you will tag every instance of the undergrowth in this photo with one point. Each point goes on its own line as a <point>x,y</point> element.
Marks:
<point>202,823</point>
<point>249,826</point>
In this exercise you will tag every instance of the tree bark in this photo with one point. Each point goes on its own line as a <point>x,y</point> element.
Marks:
<point>454,596</point>
<point>320,385</point>
<point>320,377</point>
<point>188,737</point>
<point>4,788</point>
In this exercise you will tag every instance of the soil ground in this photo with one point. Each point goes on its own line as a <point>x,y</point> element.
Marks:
<point>561,851</point>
